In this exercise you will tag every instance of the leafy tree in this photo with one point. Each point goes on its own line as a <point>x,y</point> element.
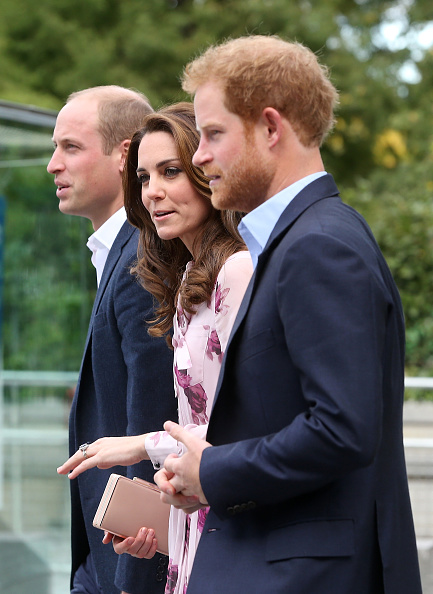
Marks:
<point>48,279</point>
<point>380,151</point>
<point>398,207</point>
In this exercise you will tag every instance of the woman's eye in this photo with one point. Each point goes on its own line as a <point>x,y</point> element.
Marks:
<point>172,171</point>
<point>143,178</point>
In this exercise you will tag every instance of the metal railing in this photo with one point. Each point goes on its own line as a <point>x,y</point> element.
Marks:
<point>16,436</point>
<point>30,451</point>
<point>17,379</point>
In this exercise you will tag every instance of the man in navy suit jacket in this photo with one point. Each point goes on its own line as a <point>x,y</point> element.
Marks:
<point>306,477</point>
<point>125,385</point>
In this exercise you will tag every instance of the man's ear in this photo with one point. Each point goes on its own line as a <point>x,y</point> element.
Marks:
<point>124,147</point>
<point>271,119</point>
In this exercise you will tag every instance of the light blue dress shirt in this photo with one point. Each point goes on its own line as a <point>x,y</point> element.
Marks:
<point>256,227</point>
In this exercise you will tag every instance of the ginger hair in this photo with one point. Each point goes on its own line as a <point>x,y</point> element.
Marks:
<point>260,71</point>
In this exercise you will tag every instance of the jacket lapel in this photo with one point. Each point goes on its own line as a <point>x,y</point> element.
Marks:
<point>323,187</point>
<point>114,254</point>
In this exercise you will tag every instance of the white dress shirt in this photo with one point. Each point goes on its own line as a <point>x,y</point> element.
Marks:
<point>101,241</point>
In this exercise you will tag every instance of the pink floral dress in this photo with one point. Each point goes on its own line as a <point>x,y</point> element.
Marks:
<point>199,343</point>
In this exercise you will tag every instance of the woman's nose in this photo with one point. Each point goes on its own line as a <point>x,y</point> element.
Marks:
<point>154,190</point>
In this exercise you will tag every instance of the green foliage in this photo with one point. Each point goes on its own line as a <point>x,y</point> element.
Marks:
<point>47,272</point>
<point>398,206</point>
<point>380,151</point>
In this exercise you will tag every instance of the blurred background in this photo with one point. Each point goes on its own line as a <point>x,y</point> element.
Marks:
<point>380,54</point>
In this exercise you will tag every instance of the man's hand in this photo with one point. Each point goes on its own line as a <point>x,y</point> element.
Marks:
<point>106,453</point>
<point>179,480</point>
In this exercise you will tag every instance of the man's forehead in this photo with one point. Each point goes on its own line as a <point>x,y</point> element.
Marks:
<point>76,119</point>
<point>209,104</point>
<point>209,91</point>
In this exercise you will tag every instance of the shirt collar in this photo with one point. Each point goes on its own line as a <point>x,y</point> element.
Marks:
<point>107,233</point>
<point>256,227</point>
<point>101,241</point>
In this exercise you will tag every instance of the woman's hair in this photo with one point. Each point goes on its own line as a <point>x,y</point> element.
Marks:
<point>261,71</point>
<point>161,263</point>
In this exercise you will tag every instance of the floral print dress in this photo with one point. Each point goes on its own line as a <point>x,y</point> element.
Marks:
<point>199,343</point>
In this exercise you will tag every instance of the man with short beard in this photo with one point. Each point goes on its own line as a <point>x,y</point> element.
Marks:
<point>303,468</point>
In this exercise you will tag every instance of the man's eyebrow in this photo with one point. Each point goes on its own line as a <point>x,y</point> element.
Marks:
<point>66,140</point>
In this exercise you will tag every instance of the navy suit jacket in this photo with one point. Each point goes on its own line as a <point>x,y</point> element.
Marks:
<point>125,387</point>
<point>307,483</point>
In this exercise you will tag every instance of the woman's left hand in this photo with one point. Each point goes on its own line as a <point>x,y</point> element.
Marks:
<point>143,546</point>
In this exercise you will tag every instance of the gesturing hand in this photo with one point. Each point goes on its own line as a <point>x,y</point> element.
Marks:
<point>179,480</point>
<point>106,453</point>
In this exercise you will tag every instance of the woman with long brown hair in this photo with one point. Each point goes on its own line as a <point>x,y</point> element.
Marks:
<point>192,259</point>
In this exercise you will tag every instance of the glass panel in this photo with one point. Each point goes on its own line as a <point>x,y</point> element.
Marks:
<point>48,290</point>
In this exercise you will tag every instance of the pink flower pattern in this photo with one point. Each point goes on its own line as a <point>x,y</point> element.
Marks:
<point>156,437</point>
<point>220,296</point>
<point>202,514</point>
<point>214,346</point>
<point>172,575</point>
<point>199,342</point>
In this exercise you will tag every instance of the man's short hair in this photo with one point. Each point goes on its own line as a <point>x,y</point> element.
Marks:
<point>121,112</point>
<point>260,71</point>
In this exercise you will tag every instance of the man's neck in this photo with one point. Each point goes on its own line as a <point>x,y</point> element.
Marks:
<point>102,216</point>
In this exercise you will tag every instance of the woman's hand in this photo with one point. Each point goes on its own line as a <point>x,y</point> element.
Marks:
<point>106,453</point>
<point>143,546</point>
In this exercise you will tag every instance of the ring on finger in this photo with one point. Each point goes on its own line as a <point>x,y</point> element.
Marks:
<point>83,449</point>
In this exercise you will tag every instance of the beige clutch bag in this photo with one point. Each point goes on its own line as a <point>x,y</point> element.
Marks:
<point>126,505</point>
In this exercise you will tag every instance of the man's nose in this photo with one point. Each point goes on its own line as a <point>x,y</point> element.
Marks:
<point>201,156</point>
<point>54,165</point>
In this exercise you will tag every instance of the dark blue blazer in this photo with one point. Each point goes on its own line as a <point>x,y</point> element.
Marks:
<point>125,387</point>
<point>308,487</point>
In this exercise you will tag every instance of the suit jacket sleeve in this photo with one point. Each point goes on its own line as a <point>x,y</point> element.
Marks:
<point>150,402</point>
<point>328,318</point>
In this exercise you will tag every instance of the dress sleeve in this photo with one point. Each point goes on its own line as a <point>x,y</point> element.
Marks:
<point>231,285</point>
<point>159,444</point>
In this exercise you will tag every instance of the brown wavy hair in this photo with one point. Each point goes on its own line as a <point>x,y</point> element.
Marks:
<point>161,263</point>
